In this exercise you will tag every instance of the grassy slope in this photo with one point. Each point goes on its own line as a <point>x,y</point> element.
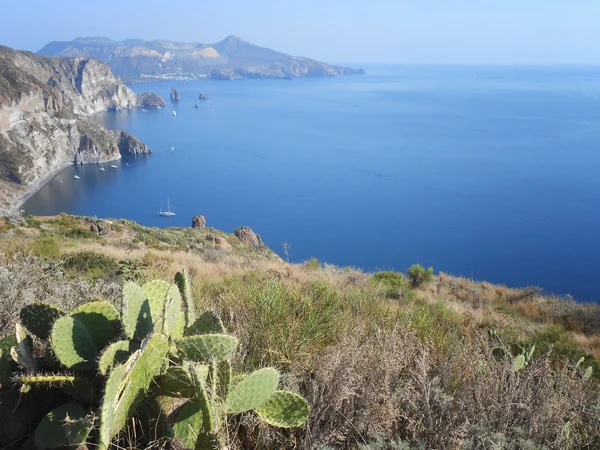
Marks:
<point>378,361</point>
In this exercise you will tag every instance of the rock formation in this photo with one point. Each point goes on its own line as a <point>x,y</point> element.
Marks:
<point>175,95</point>
<point>44,104</point>
<point>249,237</point>
<point>199,222</point>
<point>202,96</point>
<point>150,100</point>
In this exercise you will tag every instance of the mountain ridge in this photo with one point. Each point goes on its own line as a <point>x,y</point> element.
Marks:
<point>229,58</point>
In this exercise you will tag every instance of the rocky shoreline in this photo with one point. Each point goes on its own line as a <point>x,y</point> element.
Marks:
<point>45,125</point>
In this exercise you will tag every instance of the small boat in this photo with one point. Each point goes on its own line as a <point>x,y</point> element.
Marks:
<point>174,113</point>
<point>168,212</point>
<point>172,148</point>
<point>76,177</point>
<point>102,168</point>
<point>112,166</point>
<point>158,107</point>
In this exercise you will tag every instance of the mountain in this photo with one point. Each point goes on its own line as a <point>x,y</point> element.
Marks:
<point>230,58</point>
<point>44,125</point>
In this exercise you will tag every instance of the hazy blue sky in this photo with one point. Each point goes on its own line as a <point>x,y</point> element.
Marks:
<point>443,31</point>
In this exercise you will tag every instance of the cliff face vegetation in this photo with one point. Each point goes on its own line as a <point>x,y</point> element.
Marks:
<point>384,360</point>
<point>44,104</point>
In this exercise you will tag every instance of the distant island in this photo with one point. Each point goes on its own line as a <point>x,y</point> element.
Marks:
<point>231,58</point>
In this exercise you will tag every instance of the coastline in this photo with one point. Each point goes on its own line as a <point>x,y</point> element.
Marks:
<point>15,207</point>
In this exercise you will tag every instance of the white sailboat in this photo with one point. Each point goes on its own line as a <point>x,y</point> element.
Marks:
<point>75,177</point>
<point>168,212</point>
<point>174,113</point>
<point>112,166</point>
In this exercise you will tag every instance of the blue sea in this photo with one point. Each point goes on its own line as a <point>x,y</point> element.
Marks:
<point>487,172</point>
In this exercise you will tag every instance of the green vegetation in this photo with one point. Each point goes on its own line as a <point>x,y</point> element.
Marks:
<point>418,275</point>
<point>381,361</point>
<point>313,264</point>
<point>141,362</point>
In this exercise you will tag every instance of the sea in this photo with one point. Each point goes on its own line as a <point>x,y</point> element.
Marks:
<point>492,173</point>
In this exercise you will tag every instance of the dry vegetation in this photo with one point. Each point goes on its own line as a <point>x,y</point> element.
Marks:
<point>383,364</point>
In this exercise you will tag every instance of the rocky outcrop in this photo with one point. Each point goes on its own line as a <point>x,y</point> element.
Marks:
<point>150,100</point>
<point>249,237</point>
<point>175,97</point>
<point>44,104</point>
<point>199,222</point>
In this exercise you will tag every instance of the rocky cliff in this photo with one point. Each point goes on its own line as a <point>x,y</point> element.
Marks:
<point>44,104</point>
<point>230,58</point>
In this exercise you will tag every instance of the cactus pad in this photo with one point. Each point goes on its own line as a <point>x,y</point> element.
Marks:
<point>182,280</point>
<point>73,345</point>
<point>194,421</point>
<point>223,378</point>
<point>39,318</point>
<point>64,426</point>
<point>101,320</point>
<point>174,322</point>
<point>284,409</point>
<point>207,323</point>
<point>156,294</point>
<point>22,353</point>
<point>252,391</point>
<point>137,318</point>
<point>127,384</point>
<point>115,353</point>
<point>588,373</point>
<point>518,363</point>
<point>208,347</point>
<point>176,382</point>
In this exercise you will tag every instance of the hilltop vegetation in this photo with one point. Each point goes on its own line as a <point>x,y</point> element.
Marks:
<point>384,360</point>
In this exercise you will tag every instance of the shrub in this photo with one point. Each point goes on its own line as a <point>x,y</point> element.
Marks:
<point>418,275</point>
<point>394,283</point>
<point>91,264</point>
<point>46,247</point>
<point>79,233</point>
<point>312,264</point>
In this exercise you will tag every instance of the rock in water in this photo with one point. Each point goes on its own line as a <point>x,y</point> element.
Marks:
<point>199,222</point>
<point>175,95</point>
<point>150,100</point>
<point>249,237</point>
<point>202,96</point>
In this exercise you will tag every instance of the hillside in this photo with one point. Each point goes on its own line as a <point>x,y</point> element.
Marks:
<point>385,360</point>
<point>229,58</point>
<point>44,108</point>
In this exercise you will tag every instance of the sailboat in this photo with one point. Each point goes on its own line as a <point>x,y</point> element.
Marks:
<point>168,212</point>
<point>76,177</point>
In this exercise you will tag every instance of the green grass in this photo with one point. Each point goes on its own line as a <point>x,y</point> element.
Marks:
<point>90,264</point>
<point>313,264</point>
<point>46,246</point>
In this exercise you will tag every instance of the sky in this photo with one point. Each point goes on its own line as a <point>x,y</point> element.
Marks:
<point>337,31</point>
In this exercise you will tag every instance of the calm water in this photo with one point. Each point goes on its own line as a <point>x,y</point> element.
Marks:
<point>492,173</point>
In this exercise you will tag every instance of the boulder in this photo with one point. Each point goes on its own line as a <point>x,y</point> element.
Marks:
<point>199,222</point>
<point>220,241</point>
<point>94,228</point>
<point>249,237</point>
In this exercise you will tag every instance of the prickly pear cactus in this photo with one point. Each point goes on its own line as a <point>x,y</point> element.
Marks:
<point>207,347</point>
<point>208,323</point>
<point>519,363</point>
<point>252,391</point>
<point>116,353</point>
<point>174,321</point>
<point>101,320</point>
<point>22,353</point>
<point>73,344</point>
<point>65,426</point>
<point>39,318</point>
<point>182,280</point>
<point>284,410</point>
<point>127,384</point>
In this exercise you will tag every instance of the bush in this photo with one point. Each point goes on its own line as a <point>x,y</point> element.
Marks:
<point>79,233</point>
<point>394,283</point>
<point>312,264</point>
<point>46,247</point>
<point>91,264</point>
<point>418,275</point>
